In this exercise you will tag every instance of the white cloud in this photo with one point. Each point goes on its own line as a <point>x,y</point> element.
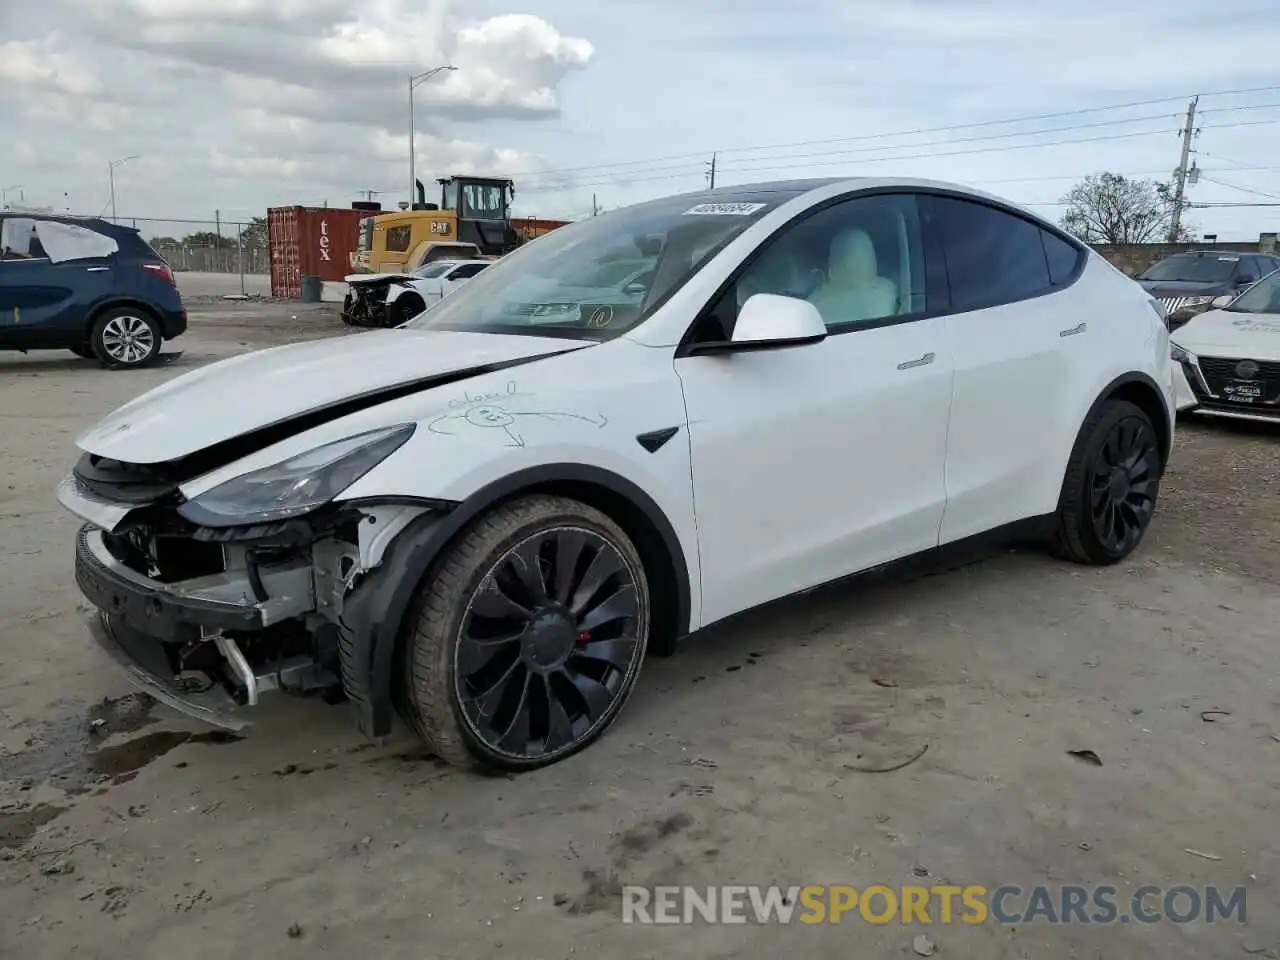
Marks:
<point>241,104</point>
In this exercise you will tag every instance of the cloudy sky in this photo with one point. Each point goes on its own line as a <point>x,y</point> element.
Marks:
<point>238,105</point>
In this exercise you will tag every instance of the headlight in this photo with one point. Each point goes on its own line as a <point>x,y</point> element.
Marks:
<point>298,485</point>
<point>1177,354</point>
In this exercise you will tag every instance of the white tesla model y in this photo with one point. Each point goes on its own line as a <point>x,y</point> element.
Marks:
<point>637,426</point>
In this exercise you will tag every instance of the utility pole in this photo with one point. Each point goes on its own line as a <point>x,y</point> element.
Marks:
<point>711,172</point>
<point>217,244</point>
<point>1180,175</point>
<point>414,80</point>
<point>595,207</point>
<point>111,168</point>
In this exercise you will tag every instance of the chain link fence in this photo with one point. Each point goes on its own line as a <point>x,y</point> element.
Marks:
<point>207,246</point>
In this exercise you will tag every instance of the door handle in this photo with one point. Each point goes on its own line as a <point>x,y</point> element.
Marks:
<point>1079,328</point>
<point>922,362</point>
<point>96,269</point>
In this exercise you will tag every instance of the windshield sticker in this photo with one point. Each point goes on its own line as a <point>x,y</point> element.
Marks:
<point>1256,326</point>
<point>724,209</point>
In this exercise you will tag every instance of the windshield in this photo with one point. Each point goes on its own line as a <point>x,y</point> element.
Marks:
<point>482,201</point>
<point>432,269</point>
<point>1262,297</point>
<point>364,242</point>
<point>1192,270</point>
<point>599,277</point>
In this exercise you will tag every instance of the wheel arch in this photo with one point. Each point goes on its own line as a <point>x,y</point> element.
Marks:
<point>1143,392</point>
<point>95,313</point>
<point>1139,389</point>
<point>374,614</point>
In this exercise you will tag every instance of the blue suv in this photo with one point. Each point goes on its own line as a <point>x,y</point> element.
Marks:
<point>85,285</point>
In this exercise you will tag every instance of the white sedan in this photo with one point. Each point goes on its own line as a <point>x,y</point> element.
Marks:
<point>1228,359</point>
<point>389,299</point>
<point>490,515</point>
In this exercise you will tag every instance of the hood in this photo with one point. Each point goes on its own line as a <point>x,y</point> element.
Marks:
<point>1185,288</point>
<point>267,388</point>
<point>1226,333</point>
<point>375,277</point>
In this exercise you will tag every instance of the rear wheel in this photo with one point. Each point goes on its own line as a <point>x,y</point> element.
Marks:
<point>125,337</point>
<point>405,309</point>
<point>1110,490</point>
<point>528,637</point>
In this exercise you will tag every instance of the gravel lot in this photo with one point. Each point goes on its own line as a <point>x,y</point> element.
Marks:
<point>735,762</point>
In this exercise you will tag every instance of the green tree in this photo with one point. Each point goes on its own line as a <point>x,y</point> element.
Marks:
<point>1112,208</point>
<point>254,236</point>
<point>208,238</point>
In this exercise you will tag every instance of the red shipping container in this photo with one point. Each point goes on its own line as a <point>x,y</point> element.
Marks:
<point>310,242</point>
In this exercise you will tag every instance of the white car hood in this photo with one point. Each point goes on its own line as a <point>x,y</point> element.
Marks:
<point>1227,334</point>
<point>371,277</point>
<point>254,390</point>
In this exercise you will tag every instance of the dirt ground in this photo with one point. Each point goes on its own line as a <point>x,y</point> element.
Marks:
<point>736,761</point>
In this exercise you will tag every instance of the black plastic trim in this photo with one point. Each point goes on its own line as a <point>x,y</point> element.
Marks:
<point>155,612</point>
<point>655,440</point>
<point>374,612</point>
<point>724,347</point>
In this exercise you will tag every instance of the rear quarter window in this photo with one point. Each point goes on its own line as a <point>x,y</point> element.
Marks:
<point>1063,257</point>
<point>993,256</point>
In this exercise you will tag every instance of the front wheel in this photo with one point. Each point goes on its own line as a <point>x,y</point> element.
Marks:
<point>126,337</point>
<point>528,637</point>
<point>405,309</point>
<point>1110,490</point>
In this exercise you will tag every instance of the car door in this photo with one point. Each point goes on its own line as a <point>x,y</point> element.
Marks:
<point>1015,339</point>
<point>43,302</point>
<point>814,462</point>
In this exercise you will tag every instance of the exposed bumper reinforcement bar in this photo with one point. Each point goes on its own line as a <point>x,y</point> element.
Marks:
<point>143,660</point>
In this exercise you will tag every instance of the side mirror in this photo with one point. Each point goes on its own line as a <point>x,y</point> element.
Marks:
<point>1219,302</point>
<point>771,322</point>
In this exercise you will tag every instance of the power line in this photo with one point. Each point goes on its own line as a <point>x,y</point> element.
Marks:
<point>1233,186</point>
<point>681,171</point>
<point>646,163</point>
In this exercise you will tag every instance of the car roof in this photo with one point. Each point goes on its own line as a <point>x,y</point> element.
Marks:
<point>93,223</point>
<point>450,263</point>
<point>1216,253</point>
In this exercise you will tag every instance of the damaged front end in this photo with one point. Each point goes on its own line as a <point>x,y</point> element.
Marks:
<point>209,609</point>
<point>372,302</point>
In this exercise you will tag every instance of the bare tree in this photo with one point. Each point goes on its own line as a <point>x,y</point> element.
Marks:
<point>1111,208</point>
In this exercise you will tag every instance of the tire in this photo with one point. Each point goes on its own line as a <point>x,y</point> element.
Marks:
<point>405,309</point>
<point>126,337</point>
<point>84,351</point>
<point>556,679</point>
<point>1111,486</point>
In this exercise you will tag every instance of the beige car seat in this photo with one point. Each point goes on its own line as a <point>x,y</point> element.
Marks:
<point>854,289</point>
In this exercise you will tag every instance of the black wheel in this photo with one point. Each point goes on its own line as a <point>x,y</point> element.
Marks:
<point>529,636</point>
<point>405,309</point>
<point>1112,483</point>
<point>126,337</point>
<point>83,350</point>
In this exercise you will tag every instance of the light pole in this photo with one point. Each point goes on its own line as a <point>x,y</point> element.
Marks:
<point>5,191</point>
<point>111,170</point>
<point>414,81</point>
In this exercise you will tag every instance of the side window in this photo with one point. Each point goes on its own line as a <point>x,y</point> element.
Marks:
<point>469,270</point>
<point>398,239</point>
<point>1063,258</point>
<point>993,257</point>
<point>858,261</point>
<point>18,240</point>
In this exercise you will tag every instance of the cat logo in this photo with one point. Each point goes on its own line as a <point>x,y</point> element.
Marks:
<point>440,226</point>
